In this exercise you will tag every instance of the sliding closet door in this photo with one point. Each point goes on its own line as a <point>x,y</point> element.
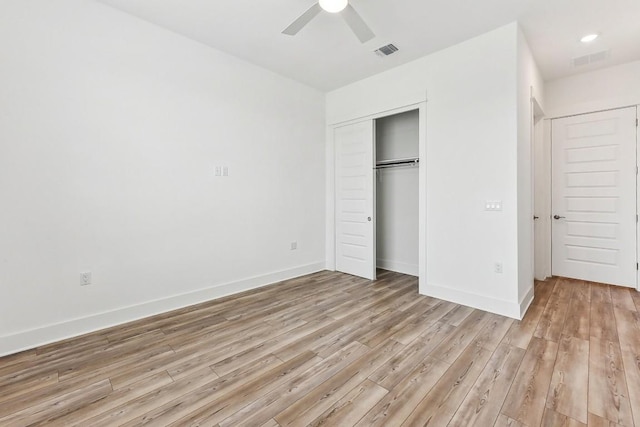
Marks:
<point>355,204</point>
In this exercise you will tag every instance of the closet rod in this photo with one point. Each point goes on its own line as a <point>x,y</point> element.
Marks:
<point>398,162</point>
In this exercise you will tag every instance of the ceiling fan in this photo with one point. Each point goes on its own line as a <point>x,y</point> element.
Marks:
<point>348,13</point>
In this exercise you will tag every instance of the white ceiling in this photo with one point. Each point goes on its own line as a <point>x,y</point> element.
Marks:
<point>326,55</point>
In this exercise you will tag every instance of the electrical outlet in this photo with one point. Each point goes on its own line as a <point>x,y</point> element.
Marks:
<point>497,267</point>
<point>294,246</point>
<point>218,171</point>
<point>225,171</point>
<point>85,278</point>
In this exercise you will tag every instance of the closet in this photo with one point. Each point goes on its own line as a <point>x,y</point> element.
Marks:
<point>377,195</point>
<point>396,187</point>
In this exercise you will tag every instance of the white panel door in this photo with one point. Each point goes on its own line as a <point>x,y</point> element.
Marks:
<point>355,230</point>
<point>594,197</point>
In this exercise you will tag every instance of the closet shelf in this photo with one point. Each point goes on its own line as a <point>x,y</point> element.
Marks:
<point>397,163</point>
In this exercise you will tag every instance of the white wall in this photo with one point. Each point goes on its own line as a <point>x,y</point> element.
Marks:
<point>612,87</point>
<point>472,156</point>
<point>110,129</point>
<point>397,194</point>
<point>530,85</point>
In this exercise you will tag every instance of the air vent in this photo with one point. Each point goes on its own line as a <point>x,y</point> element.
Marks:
<point>386,50</point>
<point>581,61</point>
<point>599,56</point>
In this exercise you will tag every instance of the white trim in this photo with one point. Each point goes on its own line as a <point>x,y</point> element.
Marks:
<point>599,110</point>
<point>330,232</point>
<point>547,131</point>
<point>330,201</point>
<point>526,302</point>
<point>592,107</point>
<point>422,194</point>
<point>398,267</point>
<point>637,198</point>
<point>535,112</point>
<point>494,305</point>
<point>542,194</point>
<point>379,115</point>
<point>25,340</point>
<point>548,141</point>
<point>422,99</point>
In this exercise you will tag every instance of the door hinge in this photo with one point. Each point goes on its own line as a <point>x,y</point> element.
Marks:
<point>636,265</point>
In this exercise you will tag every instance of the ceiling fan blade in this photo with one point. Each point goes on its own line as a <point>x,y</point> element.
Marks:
<point>302,20</point>
<point>357,24</point>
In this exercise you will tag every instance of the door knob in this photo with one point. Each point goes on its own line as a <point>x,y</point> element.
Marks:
<point>535,217</point>
<point>369,218</point>
<point>558,217</point>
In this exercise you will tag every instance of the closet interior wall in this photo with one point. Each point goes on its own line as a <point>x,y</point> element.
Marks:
<point>397,194</point>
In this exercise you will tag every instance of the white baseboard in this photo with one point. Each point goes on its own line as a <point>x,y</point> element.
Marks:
<point>398,267</point>
<point>29,339</point>
<point>526,302</point>
<point>493,305</point>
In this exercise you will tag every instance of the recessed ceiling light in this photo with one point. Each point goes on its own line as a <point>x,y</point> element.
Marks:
<point>589,38</point>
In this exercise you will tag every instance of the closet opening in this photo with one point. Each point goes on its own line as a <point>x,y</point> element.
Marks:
<point>397,192</point>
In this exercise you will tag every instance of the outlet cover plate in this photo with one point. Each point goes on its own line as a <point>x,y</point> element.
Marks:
<point>85,278</point>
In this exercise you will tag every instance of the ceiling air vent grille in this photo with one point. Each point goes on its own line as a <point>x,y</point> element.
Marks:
<point>581,61</point>
<point>386,50</point>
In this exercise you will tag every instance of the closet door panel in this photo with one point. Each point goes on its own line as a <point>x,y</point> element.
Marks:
<point>355,236</point>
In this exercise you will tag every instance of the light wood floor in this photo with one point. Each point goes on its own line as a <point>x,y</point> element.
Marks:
<point>331,349</point>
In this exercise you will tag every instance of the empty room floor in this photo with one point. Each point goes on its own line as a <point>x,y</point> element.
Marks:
<point>333,349</point>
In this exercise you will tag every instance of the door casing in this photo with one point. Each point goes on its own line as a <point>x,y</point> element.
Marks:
<point>422,185</point>
<point>548,146</point>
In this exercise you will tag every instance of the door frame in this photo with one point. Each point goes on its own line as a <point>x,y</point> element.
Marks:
<point>541,159</point>
<point>330,249</point>
<point>548,145</point>
<point>637,197</point>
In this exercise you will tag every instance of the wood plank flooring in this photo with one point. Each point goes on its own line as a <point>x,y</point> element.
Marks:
<point>330,349</point>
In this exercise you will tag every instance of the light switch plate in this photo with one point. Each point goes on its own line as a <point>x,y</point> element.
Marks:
<point>493,205</point>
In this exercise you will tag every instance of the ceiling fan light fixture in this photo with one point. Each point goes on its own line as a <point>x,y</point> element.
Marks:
<point>333,6</point>
<point>589,38</point>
